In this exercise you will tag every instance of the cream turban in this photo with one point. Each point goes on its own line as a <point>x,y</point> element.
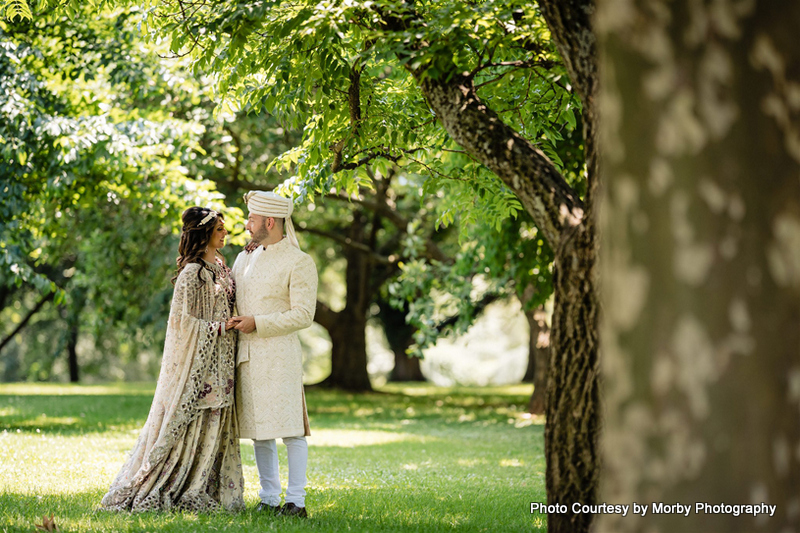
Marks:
<point>269,204</point>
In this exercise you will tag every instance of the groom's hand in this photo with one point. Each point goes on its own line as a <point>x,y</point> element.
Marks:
<point>245,324</point>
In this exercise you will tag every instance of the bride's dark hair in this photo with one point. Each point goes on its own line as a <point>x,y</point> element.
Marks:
<point>195,238</point>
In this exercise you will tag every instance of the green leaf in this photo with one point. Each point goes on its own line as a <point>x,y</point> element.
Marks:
<point>17,9</point>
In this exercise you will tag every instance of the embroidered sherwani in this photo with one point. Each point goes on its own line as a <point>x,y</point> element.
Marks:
<point>278,286</point>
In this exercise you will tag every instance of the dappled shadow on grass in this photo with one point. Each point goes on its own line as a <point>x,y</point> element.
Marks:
<point>408,509</point>
<point>402,408</point>
<point>454,460</point>
<point>414,413</point>
<point>73,414</point>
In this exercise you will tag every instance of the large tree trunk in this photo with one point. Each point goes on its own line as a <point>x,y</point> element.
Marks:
<point>572,428</point>
<point>348,329</point>
<point>573,404</point>
<point>572,425</point>
<point>349,353</point>
<point>400,336</point>
<point>701,262</point>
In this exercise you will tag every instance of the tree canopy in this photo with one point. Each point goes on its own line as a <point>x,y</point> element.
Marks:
<point>97,140</point>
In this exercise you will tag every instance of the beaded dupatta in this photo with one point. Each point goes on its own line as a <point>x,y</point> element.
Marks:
<point>197,372</point>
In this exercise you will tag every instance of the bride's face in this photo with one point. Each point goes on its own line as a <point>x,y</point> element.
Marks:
<point>218,236</point>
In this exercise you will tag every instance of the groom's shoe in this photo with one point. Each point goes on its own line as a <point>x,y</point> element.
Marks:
<point>267,508</point>
<point>290,509</point>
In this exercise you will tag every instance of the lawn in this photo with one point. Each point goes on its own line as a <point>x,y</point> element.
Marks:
<point>407,458</point>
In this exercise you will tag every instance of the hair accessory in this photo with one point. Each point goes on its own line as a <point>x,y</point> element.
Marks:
<point>208,217</point>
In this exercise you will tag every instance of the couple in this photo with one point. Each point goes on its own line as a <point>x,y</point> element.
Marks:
<point>187,455</point>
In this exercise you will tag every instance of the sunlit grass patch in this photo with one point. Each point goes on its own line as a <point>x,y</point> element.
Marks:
<point>345,438</point>
<point>67,389</point>
<point>451,460</point>
<point>476,393</point>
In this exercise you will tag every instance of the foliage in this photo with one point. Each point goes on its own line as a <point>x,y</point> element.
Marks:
<point>353,84</point>
<point>334,70</point>
<point>96,140</point>
<point>492,263</point>
<point>407,459</point>
<point>444,298</point>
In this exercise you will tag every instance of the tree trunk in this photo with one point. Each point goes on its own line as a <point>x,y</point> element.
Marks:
<point>400,336</point>
<point>573,405</point>
<point>72,352</point>
<point>406,367</point>
<point>349,354</point>
<point>538,358</point>
<point>572,428</point>
<point>71,314</point>
<point>348,331</point>
<point>572,425</point>
<point>533,328</point>
<point>701,262</point>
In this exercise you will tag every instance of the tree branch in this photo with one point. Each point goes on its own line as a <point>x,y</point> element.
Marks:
<point>346,241</point>
<point>524,168</point>
<point>479,307</point>
<point>25,320</point>
<point>400,222</point>
<point>374,155</point>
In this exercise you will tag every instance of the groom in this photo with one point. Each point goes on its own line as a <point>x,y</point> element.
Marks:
<point>276,295</point>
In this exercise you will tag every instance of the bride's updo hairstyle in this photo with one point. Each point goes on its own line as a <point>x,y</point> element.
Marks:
<point>199,224</point>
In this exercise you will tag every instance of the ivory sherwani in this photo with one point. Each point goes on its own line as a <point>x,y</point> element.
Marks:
<point>278,286</point>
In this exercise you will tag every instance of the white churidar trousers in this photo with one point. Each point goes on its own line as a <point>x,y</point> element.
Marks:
<point>266,452</point>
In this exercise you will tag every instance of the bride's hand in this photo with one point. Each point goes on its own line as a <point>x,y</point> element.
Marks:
<point>252,245</point>
<point>246,324</point>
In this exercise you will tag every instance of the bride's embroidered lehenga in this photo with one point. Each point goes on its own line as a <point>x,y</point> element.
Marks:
<point>187,455</point>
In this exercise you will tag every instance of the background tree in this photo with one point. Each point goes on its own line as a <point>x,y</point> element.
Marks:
<point>701,267</point>
<point>367,229</point>
<point>445,298</point>
<point>94,138</point>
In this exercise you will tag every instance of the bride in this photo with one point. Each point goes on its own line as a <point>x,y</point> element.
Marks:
<point>187,454</point>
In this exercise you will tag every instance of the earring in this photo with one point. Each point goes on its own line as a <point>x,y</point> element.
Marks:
<point>206,249</point>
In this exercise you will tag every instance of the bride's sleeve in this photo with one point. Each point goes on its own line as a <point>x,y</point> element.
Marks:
<point>193,303</point>
<point>194,342</point>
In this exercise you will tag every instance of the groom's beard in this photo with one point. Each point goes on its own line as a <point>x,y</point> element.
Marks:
<point>261,234</point>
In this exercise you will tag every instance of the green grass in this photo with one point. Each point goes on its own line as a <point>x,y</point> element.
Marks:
<point>410,458</point>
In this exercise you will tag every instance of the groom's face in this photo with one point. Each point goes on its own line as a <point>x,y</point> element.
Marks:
<point>257,226</point>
